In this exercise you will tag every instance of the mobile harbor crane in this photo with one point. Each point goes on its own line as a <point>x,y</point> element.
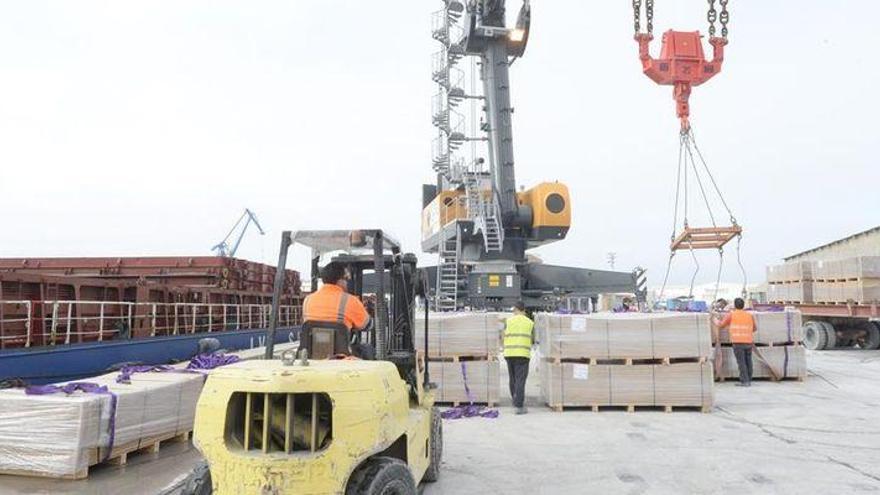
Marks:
<point>474,218</point>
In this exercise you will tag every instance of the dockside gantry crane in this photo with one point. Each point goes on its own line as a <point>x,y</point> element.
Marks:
<point>223,249</point>
<point>474,217</point>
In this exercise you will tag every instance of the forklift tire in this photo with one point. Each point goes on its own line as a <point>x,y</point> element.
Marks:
<point>872,339</point>
<point>382,476</point>
<point>198,482</point>
<point>201,484</point>
<point>436,453</point>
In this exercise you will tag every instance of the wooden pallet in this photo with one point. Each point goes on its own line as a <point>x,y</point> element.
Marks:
<point>842,303</point>
<point>461,358</point>
<point>632,408</point>
<point>627,361</point>
<point>771,344</point>
<point>118,456</point>
<point>721,379</point>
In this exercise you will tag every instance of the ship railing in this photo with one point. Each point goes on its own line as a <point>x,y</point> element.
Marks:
<point>37,323</point>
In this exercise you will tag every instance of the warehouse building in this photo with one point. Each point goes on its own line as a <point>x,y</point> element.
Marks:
<point>865,243</point>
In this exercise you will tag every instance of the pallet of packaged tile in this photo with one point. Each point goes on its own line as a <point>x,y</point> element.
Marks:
<point>768,363</point>
<point>670,387</point>
<point>791,292</point>
<point>464,382</point>
<point>774,328</point>
<point>461,334</point>
<point>798,271</point>
<point>863,267</point>
<point>62,436</point>
<point>857,291</point>
<point>624,336</point>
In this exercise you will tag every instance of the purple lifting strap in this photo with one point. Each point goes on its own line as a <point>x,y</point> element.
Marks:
<point>202,362</point>
<point>471,410</point>
<point>127,371</point>
<point>211,361</point>
<point>86,387</point>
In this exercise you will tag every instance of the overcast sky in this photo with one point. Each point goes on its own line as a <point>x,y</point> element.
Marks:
<point>144,128</point>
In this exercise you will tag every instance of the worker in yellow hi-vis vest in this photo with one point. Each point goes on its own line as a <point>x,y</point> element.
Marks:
<point>518,341</point>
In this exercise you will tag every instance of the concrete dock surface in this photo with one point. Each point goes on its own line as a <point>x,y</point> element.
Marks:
<point>821,436</point>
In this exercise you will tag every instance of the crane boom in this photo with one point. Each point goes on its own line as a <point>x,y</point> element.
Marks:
<point>488,37</point>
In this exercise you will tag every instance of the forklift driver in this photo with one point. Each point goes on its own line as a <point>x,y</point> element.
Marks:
<point>331,304</point>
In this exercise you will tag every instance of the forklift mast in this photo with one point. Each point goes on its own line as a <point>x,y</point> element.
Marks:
<point>377,267</point>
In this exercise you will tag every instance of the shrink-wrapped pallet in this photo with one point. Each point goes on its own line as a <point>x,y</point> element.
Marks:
<point>582,385</point>
<point>624,336</point>
<point>482,378</point>
<point>60,436</point>
<point>51,435</point>
<point>786,362</point>
<point>461,334</point>
<point>774,327</point>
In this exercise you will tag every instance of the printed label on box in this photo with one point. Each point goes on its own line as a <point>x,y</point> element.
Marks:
<point>578,324</point>
<point>581,372</point>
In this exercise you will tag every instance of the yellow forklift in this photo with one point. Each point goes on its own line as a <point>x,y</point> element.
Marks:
<point>318,424</point>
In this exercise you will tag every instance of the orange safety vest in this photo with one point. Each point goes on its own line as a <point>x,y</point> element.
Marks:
<point>742,327</point>
<point>331,304</point>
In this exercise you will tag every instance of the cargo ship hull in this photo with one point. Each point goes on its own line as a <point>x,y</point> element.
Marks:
<point>41,365</point>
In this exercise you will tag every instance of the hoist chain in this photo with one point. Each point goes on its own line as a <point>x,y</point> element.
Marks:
<point>637,12</point>
<point>724,17</point>
<point>649,15</point>
<point>712,16</point>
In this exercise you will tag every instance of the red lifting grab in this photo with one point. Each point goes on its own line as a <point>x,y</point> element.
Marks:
<point>681,65</point>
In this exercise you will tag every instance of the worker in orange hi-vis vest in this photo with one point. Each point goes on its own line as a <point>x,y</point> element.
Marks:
<point>742,328</point>
<point>331,303</point>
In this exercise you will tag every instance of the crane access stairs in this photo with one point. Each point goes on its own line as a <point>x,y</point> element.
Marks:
<point>483,211</point>
<point>479,202</point>
<point>448,272</point>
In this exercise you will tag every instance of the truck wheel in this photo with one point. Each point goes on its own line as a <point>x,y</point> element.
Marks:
<point>382,476</point>
<point>831,336</point>
<point>436,453</point>
<point>815,337</point>
<point>872,339</point>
